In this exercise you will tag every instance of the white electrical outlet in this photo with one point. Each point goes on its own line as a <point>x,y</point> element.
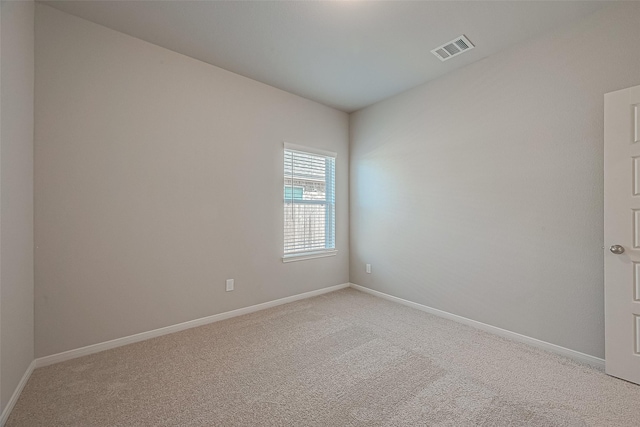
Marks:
<point>229,285</point>
<point>367,268</point>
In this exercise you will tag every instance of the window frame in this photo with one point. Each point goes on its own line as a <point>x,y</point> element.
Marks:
<point>314,253</point>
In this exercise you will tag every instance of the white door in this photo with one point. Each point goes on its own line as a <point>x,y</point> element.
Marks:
<point>622,233</point>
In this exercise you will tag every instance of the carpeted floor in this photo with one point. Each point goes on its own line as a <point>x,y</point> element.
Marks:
<point>340,359</point>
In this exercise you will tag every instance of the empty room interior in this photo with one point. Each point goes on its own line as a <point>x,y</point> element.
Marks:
<point>319,213</point>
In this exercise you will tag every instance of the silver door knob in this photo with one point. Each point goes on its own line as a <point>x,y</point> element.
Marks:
<point>616,249</point>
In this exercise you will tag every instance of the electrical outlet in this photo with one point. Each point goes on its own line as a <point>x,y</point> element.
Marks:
<point>229,285</point>
<point>367,268</point>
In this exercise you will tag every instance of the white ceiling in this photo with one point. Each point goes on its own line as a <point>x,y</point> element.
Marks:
<point>345,54</point>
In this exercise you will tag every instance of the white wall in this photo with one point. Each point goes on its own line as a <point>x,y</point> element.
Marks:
<point>481,193</point>
<point>157,178</point>
<point>16,194</point>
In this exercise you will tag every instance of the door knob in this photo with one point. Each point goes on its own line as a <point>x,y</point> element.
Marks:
<point>616,249</point>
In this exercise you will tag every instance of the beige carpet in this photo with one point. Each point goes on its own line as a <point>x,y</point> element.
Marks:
<point>341,359</point>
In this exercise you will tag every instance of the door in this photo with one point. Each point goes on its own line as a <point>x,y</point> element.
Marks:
<point>622,233</point>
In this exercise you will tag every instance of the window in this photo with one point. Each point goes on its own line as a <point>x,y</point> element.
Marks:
<point>309,203</point>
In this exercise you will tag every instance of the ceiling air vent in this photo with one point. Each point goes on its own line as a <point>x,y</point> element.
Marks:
<point>453,48</point>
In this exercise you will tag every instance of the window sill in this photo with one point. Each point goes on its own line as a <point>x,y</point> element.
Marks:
<point>308,255</point>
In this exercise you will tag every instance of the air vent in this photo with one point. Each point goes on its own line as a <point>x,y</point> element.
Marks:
<point>453,48</point>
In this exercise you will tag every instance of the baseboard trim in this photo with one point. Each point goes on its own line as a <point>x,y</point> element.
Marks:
<point>553,348</point>
<point>16,393</point>
<point>119,342</point>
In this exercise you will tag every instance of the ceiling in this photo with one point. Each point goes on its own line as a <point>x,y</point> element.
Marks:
<point>345,54</point>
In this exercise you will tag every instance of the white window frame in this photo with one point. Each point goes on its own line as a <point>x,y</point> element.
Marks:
<point>329,251</point>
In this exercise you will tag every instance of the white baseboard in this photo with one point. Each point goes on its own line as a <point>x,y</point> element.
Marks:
<point>95,348</point>
<point>553,348</point>
<point>119,342</point>
<point>16,394</point>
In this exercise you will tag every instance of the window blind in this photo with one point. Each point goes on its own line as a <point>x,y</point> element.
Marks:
<point>309,201</point>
